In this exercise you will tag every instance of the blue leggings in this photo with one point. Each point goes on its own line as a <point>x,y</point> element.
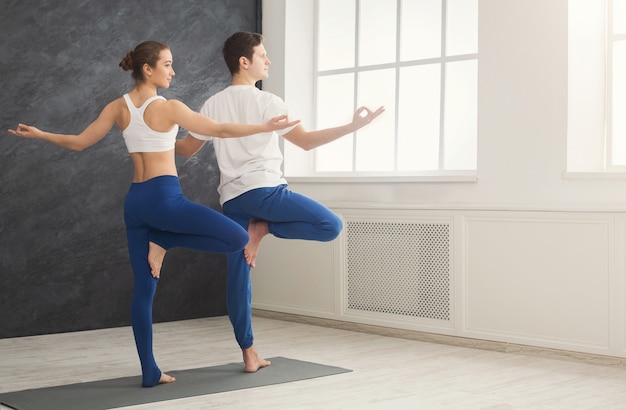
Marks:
<point>156,211</point>
<point>289,215</point>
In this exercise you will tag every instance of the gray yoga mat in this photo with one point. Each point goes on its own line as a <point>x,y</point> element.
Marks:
<point>127,391</point>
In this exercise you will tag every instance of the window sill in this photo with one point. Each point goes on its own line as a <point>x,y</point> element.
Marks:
<point>456,176</point>
<point>594,175</point>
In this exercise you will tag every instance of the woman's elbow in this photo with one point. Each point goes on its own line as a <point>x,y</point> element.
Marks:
<point>223,132</point>
<point>77,147</point>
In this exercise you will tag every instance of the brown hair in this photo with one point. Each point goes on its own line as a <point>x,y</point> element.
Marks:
<point>240,44</point>
<point>147,52</point>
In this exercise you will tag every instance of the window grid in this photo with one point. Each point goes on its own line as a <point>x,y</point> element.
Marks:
<point>611,92</point>
<point>442,60</point>
<point>397,90</point>
<point>609,88</point>
<point>442,89</point>
<point>357,34</point>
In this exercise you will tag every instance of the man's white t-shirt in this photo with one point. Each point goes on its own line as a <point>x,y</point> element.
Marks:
<point>251,162</point>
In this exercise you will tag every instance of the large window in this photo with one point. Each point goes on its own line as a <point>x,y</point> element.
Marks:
<point>419,59</point>
<point>596,137</point>
<point>616,75</point>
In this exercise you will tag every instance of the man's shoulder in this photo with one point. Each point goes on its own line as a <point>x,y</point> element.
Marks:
<point>246,91</point>
<point>220,94</point>
<point>245,96</point>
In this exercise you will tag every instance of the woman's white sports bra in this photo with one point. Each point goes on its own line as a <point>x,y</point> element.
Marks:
<point>139,137</point>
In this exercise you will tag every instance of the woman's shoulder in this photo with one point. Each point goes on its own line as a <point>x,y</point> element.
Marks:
<point>172,103</point>
<point>116,105</point>
<point>118,102</point>
<point>172,108</point>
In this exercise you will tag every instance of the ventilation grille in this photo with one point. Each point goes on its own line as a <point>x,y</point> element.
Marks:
<point>399,268</point>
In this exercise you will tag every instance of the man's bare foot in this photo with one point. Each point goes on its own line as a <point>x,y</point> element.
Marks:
<point>257,229</point>
<point>155,259</point>
<point>252,361</point>
<point>166,378</point>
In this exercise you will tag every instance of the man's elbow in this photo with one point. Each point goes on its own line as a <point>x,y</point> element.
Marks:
<point>307,145</point>
<point>304,144</point>
<point>184,150</point>
<point>185,153</point>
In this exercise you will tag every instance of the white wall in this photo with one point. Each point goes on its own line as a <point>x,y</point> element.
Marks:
<point>522,115</point>
<point>522,134</point>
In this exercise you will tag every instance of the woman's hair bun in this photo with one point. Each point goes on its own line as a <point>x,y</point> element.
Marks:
<point>127,61</point>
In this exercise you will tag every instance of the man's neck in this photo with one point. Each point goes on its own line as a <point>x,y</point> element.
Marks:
<point>243,80</point>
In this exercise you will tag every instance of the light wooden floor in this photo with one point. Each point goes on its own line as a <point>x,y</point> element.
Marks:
<point>388,373</point>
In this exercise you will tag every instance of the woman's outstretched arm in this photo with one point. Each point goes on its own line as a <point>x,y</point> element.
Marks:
<point>88,137</point>
<point>198,123</point>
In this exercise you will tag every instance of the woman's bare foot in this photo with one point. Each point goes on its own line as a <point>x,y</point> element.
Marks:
<point>257,229</point>
<point>251,360</point>
<point>166,378</point>
<point>155,259</point>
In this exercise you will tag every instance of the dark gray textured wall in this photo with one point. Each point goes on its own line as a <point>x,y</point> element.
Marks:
<point>63,257</point>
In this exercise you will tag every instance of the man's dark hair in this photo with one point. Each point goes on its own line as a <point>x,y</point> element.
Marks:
<point>240,44</point>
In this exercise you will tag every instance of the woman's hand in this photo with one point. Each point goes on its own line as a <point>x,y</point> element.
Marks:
<point>26,131</point>
<point>280,122</point>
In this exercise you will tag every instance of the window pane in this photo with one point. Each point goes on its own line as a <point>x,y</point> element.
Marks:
<point>418,119</point>
<point>619,16</point>
<point>335,105</point>
<point>420,30</point>
<point>377,32</point>
<point>618,131</point>
<point>460,112</point>
<point>429,122</point>
<point>375,147</point>
<point>461,27</point>
<point>336,34</point>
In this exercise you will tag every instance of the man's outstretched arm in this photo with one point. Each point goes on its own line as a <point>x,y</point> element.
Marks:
<point>308,140</point>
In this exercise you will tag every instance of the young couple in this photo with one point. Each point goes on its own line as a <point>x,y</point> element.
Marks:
<point>244,124</point>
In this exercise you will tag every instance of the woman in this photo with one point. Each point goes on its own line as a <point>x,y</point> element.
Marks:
<point>157,215</point>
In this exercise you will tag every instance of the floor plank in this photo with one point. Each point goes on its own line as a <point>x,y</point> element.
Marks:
<point>388,372</point>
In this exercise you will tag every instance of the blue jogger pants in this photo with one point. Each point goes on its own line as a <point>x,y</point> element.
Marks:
<point>290,215</point>
<point>156,211</point>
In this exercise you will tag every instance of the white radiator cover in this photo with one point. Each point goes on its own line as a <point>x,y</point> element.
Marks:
<point>399,268</point>
<point>553,279</point>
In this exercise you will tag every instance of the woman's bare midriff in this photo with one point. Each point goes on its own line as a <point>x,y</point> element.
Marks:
<point>149,165</point>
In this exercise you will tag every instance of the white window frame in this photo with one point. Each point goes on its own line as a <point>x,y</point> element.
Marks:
<point>610,39</point>
<point>439,175</point>
<point>590,91</point>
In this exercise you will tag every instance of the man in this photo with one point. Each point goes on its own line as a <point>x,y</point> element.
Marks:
<point>252,189</point>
